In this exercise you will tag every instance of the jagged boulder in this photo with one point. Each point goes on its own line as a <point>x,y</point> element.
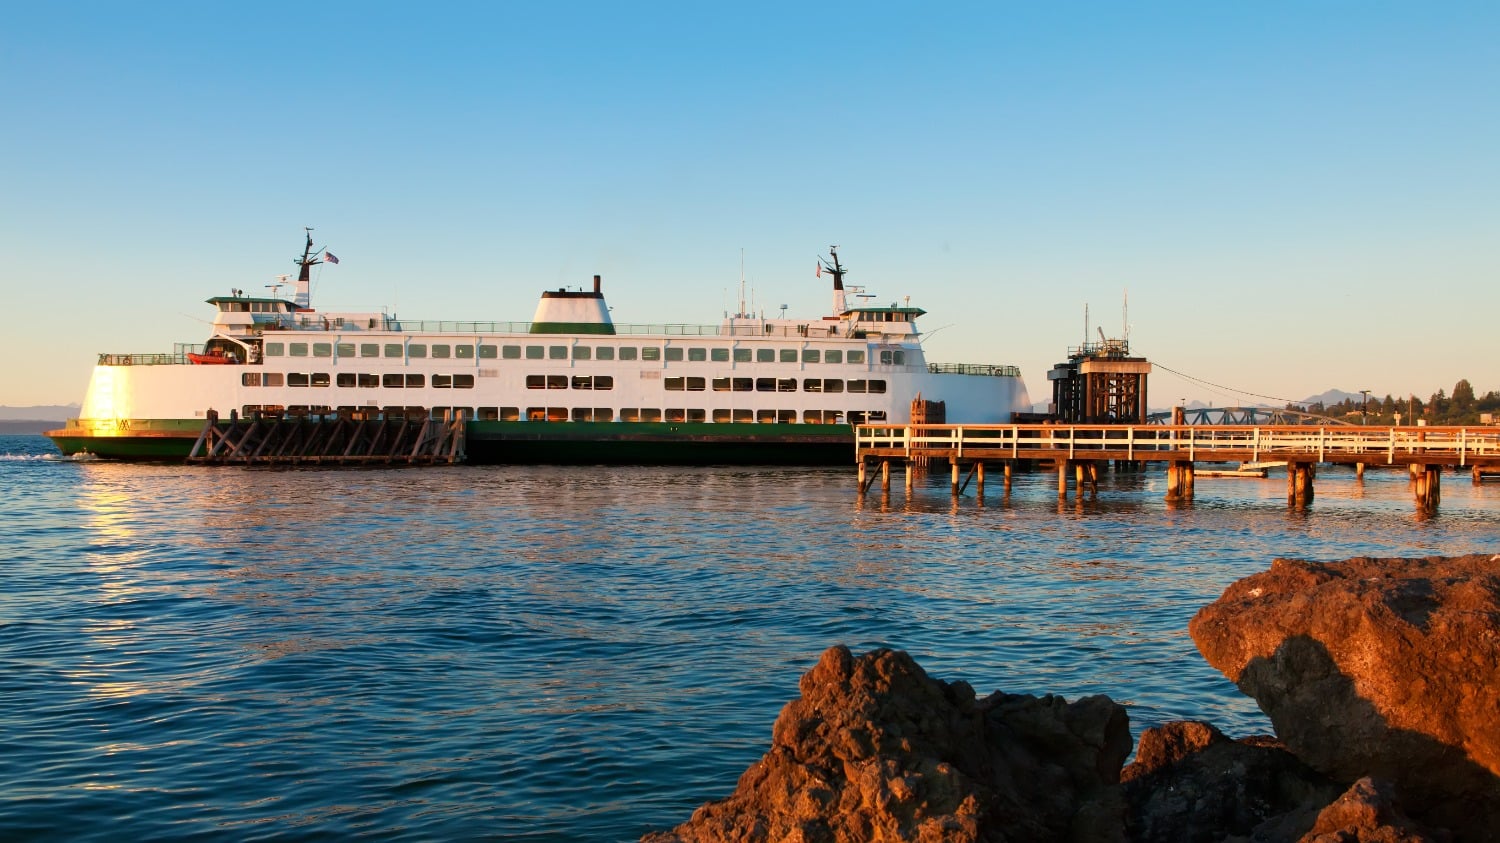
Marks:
<point>1367,813</point>
<point>1190,783</point>
<point>1376,667</point>
<point>876,750</point>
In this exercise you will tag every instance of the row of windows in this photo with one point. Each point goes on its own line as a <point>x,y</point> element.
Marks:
<point>591,414</point>
<point>672,354</point>
<point>363,380</point>
<point>397,380</point>
<point>692,384</point>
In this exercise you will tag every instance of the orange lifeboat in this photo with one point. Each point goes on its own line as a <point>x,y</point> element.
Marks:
<point>216,356</point>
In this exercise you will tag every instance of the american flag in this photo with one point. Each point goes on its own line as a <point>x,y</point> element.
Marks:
<point>330,257</point>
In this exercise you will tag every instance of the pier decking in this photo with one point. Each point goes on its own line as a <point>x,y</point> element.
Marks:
<point>1081,448</point>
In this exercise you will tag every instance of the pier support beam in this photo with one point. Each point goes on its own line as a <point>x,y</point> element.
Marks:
<point>885,477</point>
<point>979,475</point>
<point>1009,465</point>
<point>953,475</point>
<point>1428,487</point>
<point>1180,480</point>
<point>1359,472</point>
<point>1299,483</point>
<point>1062,479</point>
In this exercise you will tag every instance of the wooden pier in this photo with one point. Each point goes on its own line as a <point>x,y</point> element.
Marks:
<point>1080,450</point>
<point>375,438</point>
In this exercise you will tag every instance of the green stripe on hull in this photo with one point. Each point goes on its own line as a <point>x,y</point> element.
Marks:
<point>497,442</point>
<point>128,439</point>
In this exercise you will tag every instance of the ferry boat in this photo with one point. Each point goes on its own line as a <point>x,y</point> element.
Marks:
<point>570,386</point>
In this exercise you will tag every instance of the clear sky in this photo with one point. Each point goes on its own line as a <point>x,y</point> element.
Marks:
<point>1296,196</point>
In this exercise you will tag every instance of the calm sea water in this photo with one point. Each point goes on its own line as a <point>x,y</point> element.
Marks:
<point>572,653</point>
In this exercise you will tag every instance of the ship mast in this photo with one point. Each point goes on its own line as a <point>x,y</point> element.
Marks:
<point>304,276</point>
<point>833,266</point>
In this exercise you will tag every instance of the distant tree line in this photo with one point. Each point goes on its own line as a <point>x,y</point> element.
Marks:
<point>1461,407</point>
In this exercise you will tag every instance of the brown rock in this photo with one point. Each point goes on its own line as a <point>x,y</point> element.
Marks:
<point>1191,783</point>
<point>1383,667</point>
<point>1367,813</point>
<point>876,750</point>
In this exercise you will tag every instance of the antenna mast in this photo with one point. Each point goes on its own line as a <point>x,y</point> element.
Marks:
<point>742,314</point>
<point>304,275</point>
<point>833,266</point>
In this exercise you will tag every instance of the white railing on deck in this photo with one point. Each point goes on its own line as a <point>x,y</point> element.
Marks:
<point>1226,443</point>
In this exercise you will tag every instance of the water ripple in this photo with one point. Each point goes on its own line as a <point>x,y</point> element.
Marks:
<point>546,653</point>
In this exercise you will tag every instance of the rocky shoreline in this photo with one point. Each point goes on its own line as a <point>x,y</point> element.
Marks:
<point>1381,678</point>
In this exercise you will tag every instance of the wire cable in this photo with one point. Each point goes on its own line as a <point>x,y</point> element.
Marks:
<point>1218,386</point>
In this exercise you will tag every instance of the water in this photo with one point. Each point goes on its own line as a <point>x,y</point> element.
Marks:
<point>572,653</point>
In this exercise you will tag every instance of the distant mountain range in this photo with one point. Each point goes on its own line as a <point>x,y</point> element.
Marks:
<point>53,412</point>
<point>21,420</point>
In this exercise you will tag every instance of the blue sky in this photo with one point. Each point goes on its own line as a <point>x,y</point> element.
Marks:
<point>1295,196</point>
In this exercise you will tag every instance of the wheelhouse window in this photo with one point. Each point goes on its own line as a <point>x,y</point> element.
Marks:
<point>464,352</point>
<point>892,357</point>
<point>535,352</point>
<point>393,349</point>
<point>788,355</point>
<point>765,355</point>
<point>416,349</point>
<point>297,349</point>
<point>369,349</point>
<point>857,355</point>
<point>674,354</point>
<point>811,355</point>
<point>344,349</point>
<point>742,355</point>
<point>322,349</point>
<point>583,352</point>
<point>648,353</point>
<point>697,355</point>
<point>442,352</point>
<point>833,355</point>
<point>627,353</point>
<point>557,352</point>
<point>719,355</point>
<point>604,352</point>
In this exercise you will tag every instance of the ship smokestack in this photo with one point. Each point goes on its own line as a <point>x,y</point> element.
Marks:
<point>596,283</point>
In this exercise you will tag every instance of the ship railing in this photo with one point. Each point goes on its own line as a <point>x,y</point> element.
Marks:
<point>812,329</point>
<point>178,357</point>
<point>983,369</point>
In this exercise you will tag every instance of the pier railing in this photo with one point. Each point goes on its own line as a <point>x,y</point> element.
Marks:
<point>1227,443</point>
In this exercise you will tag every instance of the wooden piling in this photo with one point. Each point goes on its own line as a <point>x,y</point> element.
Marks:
<point>1299,483</point>
<point>1428,488</point>
<point>1180,480</point>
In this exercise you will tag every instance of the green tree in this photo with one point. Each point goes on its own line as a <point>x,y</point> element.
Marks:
<point>1463,396</point>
